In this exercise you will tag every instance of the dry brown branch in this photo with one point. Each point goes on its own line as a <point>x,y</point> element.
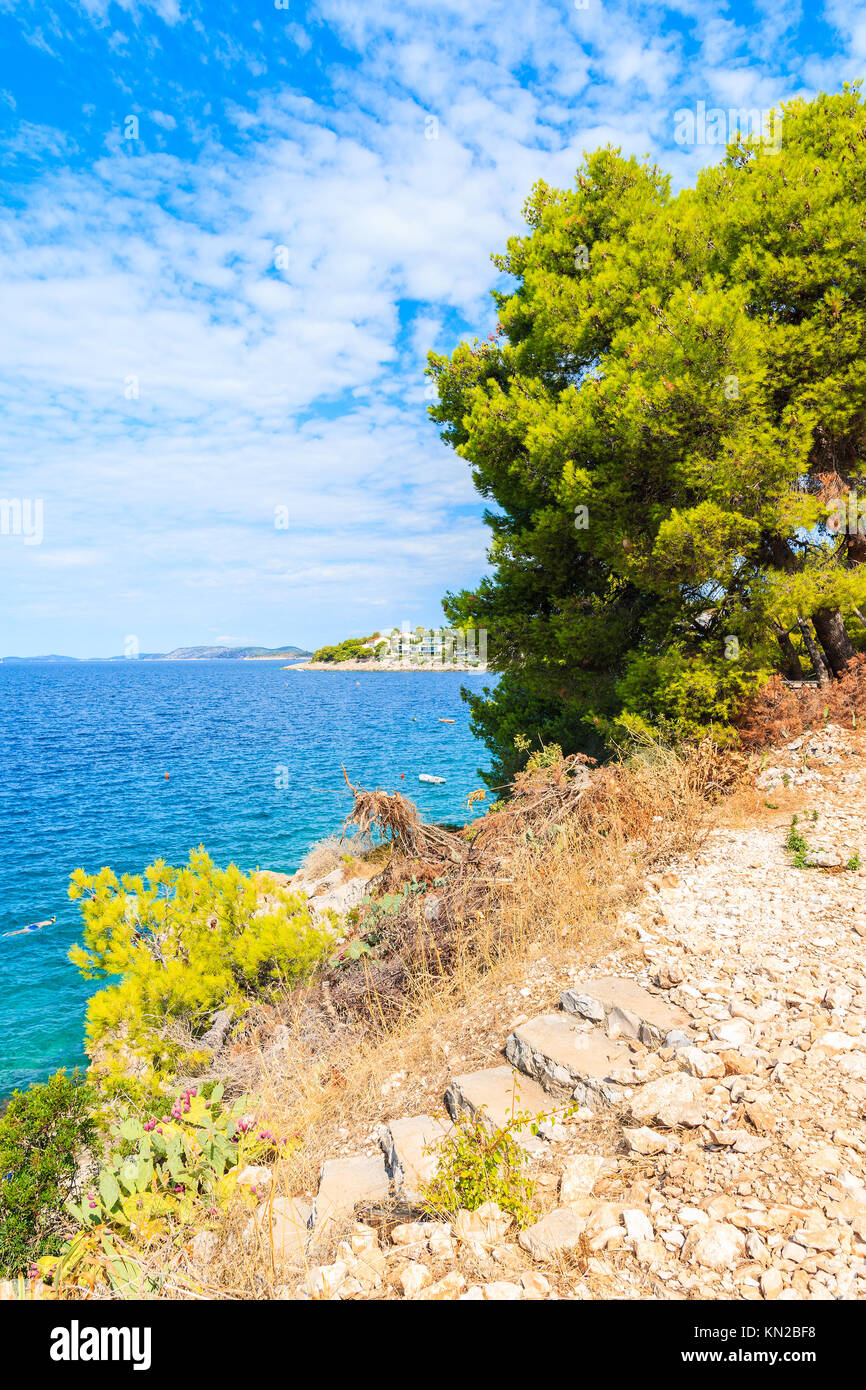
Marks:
<point>393,819</point>
<point>781,711</point>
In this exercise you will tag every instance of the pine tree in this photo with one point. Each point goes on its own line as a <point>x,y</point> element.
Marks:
<point>665,419</point>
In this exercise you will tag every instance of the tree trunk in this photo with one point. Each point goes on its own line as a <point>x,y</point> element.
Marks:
<point>781,555</point>
<point>790,660</point>
<point>814,652</point>
<point>830,628</point>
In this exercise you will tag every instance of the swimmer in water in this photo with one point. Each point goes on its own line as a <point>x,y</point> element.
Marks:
<point>34,926</point>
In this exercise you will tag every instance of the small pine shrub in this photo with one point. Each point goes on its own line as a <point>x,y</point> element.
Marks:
<point>185,942</point>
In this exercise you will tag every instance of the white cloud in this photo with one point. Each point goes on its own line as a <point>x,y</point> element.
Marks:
<point>168,10</point>
<point>30,141</point>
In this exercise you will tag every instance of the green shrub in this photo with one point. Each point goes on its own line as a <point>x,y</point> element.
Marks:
<point>42,1136</point>
<point>479,1164</point>
<point>796,843</point>
<point>185,942</point>
<point>680,696</point>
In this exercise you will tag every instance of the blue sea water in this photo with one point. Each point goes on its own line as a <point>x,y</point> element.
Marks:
<point>253,756</point>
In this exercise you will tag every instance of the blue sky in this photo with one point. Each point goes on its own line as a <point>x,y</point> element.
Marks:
<point>228,313</point>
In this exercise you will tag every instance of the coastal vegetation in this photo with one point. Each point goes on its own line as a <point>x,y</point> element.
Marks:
<point>668,422</point>
<point>43,1133</point>
<point>153,1147</point>
<point>125,1153</point>
<point>161,1177</point>
<point>186,943</point>
<point>351,649</point>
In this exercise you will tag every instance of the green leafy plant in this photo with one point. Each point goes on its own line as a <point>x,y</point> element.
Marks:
<point>796,843</point>
<point>481,1163</point>
<point>160,1178</point>
<point>95,1258</point>
<point>43,1134</point>
<point>373,919</point>
<point>173,1168</point>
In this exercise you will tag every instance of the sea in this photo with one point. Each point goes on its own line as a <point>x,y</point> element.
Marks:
<point>121,763</point>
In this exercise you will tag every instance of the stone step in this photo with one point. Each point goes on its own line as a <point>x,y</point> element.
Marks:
<point>343,1184</point>
<point>626,1009</point>
<point>410,1146</point>
<point>501,1093</point>
<point>285,1228</point>
<point>569,1060</point>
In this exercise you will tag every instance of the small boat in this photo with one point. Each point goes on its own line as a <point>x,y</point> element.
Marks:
<point>446,721</point>
<point>33,926</point>
<point>428,777</point>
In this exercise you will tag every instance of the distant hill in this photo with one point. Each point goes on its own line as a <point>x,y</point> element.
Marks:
<point>219,653</point>
<point>181,654</point>
<point>14,660</point>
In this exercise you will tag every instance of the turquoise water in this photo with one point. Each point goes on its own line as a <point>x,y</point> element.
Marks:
<point>254,760</point>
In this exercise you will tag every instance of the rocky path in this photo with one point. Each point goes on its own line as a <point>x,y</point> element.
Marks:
<point>704,1133</point>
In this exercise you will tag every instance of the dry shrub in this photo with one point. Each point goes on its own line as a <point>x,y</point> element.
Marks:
<point>566,831</point>
<point>323,857</point>
<point>541,797</point>
<point>781,711</point>
<point>391,818</point>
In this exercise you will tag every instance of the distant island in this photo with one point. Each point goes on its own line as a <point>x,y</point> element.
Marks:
<point>401,649</point>
<point>182,654</point>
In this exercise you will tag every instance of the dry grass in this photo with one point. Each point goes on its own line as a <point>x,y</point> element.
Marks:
<point>354,854</point>
<point>324,857</point>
